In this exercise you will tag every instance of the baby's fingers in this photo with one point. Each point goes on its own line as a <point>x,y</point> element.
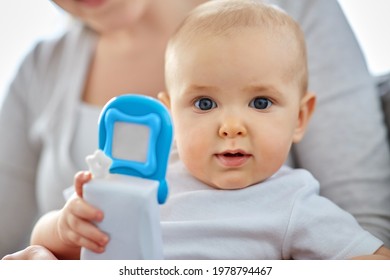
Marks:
<point>88,236</point>
<point>77,228</point>
<point>82,230</point>
<point>80,179</point>
<point>83,210</point>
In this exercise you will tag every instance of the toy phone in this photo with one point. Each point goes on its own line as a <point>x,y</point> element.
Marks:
<point>135,136</point>
<point>135,131</point>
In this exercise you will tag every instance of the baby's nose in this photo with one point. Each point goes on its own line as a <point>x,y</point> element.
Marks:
<point>232,127</point>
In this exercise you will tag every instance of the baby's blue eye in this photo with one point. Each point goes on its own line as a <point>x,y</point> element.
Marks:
<point>260,103</point>
<point>205,104</point>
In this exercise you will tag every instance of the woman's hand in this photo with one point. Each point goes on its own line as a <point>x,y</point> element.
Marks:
<point>34,252</point>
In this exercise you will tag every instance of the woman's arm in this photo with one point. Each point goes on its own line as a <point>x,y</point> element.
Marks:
<point>18,163</point>
<point>346,145</point>
<point>382,253</point>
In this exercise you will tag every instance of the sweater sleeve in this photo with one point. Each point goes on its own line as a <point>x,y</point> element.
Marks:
<point>18,162</point>
<point>345,146</point>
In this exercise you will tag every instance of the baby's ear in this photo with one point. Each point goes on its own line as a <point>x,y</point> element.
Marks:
<point>163,96</point>
<point>307,106</point>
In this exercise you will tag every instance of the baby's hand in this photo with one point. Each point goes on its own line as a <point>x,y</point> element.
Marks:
<point>75,225</point>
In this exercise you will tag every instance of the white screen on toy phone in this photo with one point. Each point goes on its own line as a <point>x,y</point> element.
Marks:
<point>130,142</point>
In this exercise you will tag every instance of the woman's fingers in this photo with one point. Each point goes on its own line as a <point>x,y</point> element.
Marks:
<point>33,252</point>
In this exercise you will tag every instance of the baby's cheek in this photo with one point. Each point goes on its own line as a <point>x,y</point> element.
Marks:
<point>194,152</point>
<point>276,153</point>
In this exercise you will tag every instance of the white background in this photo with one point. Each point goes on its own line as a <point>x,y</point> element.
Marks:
<point>23,22</point>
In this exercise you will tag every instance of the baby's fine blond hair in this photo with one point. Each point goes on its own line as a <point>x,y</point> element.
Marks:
<point>224,17</point>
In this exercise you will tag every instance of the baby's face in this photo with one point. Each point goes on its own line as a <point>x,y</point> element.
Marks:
<point>235,112</point>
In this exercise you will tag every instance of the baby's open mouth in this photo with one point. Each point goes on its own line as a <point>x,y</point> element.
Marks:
<point>233,158</point>
<point>233,155</point>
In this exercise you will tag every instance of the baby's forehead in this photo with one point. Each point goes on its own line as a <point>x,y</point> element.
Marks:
<point>224,20</point>
<point>245,42</point>
<point>194,34</point>
<point>251,37</point>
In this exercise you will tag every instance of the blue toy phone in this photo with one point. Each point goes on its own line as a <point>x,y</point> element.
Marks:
<point>136,132</point>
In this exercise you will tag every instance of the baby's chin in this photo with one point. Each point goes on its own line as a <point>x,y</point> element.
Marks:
<point>231,184</point>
